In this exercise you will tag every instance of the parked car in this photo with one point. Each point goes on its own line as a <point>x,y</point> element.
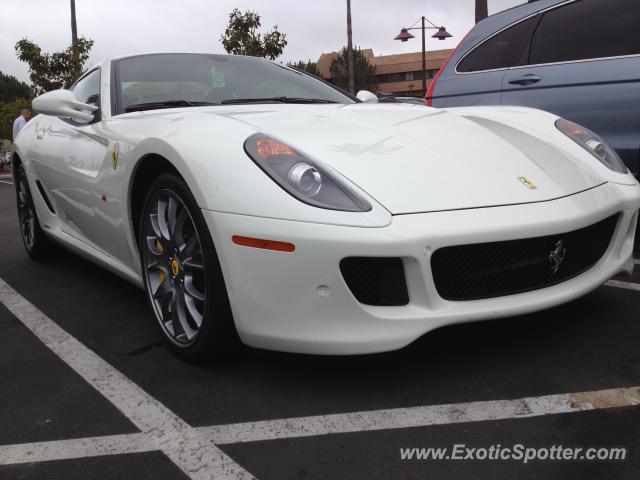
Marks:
<point>579,59</point>
<point>386,98</point>
<point>249,199</point>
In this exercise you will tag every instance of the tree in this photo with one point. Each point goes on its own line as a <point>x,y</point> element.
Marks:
<point>11,88</point>
<point>364,73</point>
<point>56,70</point>
<point>9,111</point>
<point>481,10</point>
<point>309,67</point>
<point>242,38</point>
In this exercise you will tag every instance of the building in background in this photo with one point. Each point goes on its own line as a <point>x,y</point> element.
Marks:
<point>398,74</point>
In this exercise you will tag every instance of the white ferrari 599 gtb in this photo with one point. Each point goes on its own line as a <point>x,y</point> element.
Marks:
<point>252,200</point>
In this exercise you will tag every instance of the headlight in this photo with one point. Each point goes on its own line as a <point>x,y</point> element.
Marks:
<point>305,179</point>
<point>593,144</point>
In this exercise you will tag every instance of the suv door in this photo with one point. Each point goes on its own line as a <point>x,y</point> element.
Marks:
<point>584,64</point>
<point>477,78</point>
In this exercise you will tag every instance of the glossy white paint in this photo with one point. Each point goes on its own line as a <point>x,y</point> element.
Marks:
<point>436,167</point>
<point>63,103</point>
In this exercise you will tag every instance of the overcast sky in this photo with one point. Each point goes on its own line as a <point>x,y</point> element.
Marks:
<point>312,26</point>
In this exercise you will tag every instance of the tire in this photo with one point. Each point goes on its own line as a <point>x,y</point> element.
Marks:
<point>36,243</point>
<point>182,275</point>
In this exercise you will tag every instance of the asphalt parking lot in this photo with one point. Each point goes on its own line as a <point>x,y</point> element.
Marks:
<point>90,391</point>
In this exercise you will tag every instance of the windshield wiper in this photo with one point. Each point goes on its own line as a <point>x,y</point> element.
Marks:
<point>232,101</point>
<point>166,104</point>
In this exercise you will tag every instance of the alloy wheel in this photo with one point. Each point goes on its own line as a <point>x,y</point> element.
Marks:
<point>174,267</point>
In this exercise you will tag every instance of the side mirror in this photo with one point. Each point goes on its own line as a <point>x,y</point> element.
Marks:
<point>366,96</point>
<point>63,103</point>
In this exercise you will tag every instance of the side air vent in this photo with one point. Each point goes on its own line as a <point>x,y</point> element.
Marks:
<point>45,197</point>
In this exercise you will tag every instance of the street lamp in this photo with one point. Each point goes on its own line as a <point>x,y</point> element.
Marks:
<point>405,35</point>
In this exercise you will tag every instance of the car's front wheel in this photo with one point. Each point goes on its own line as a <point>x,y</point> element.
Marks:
<point>182,274</point>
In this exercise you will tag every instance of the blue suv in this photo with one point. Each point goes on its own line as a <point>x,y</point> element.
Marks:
<point>579,59</point>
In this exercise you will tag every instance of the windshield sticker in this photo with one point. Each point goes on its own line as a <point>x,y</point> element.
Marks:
<point>218,79</point>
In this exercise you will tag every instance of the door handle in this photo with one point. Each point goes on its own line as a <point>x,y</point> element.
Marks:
<point>526,80</point>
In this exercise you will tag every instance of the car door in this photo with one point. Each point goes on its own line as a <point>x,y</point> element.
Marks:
<point>65,164</point>
<point>584,64</point>
<point>478,77</point>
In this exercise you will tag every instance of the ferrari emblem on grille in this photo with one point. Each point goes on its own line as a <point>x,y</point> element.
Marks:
<point>527,183</point>
<point>556,257</point>
<point>114,155</point>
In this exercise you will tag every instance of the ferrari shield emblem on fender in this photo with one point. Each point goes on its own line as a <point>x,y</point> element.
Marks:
<point>114,155</point>
<point>527,183</point>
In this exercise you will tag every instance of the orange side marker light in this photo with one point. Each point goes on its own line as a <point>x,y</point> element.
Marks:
<point>264,244</point>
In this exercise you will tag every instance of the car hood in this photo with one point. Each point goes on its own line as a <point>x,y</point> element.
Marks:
<point>417,159</point>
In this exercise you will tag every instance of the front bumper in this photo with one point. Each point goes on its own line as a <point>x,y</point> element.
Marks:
<point>278,302</point>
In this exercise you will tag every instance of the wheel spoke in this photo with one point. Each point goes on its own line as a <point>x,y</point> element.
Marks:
<point>153,217</point>
<point>152,244</point>
<point>172,215</point>
<point>179,317</point>
<point>178,233</point>
<point>162,219</point>
<point>193,265</point>
<point>191,290</point>
<point>193,310</point>
<point>187,249</point>
<point>162,290</point>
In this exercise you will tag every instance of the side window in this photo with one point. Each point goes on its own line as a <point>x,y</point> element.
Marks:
<point>506,49</point>
<point>87,90</point>
<point>585,29</point>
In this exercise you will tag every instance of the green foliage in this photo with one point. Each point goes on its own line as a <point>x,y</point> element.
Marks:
<point>9,111</point>
<point>364,73</point>
<point>12,88</point>
<point>309,67</point>
<point>50,71</point>
<point>242,38</point>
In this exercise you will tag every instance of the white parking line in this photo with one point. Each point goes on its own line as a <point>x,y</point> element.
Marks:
<point>195,450</point>
<point>75,448</point>
<point>421,416</point>
<point>174,437</point>
<point>627,285</point>
<point>6,181</point>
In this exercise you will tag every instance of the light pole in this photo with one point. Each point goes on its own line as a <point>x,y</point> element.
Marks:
<point>441,34</point>
<point>74,39</point>
<point>350,50</point>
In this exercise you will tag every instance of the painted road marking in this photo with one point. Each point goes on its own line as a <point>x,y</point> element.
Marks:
<point>75,448</point>
<point>421,416</point>
<point>332,424</point>
<point>627,285</point>
<point>7,182</point>
<point>170,434</point>
<point>195,450</point>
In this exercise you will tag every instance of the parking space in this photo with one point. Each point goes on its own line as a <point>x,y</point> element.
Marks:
<point>53,393</point>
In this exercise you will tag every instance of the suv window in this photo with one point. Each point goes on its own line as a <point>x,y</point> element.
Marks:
<point>586,29</point>
<point>87,89</point>
<point>506,49</point>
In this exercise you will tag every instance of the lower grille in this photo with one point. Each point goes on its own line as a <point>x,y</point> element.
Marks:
<point>376,280</point>
<point>486,270</point>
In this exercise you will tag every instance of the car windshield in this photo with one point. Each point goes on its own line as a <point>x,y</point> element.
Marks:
<point>184,79</point>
